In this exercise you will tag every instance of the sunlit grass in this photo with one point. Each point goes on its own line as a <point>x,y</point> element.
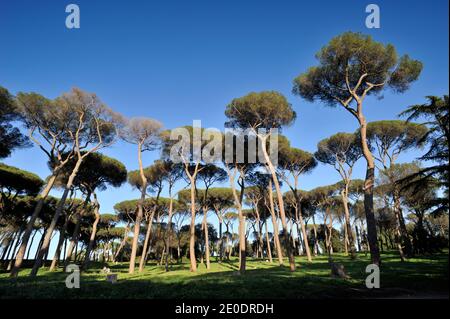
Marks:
<point>428,274</point>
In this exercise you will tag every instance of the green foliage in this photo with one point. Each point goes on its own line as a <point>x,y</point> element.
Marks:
<point>436,112</point>
<point>355,62</point>
<point>96,172</point>
<point>265,110</point>
<point>18,181</point>
<point>390,138</point>
<point>294,160</point>
<point>10,136</point>
<point>339,149</point>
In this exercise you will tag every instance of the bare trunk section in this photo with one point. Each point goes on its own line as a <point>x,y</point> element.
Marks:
<point>281,206</point>
<point>402,233</point>
<point>238,202</point>
<point>59,246</point>
<point>169,232</point>
<point>74,240</point>
<point>140,213</point>
<point>26,236</point>
<point>192,257</point>
<point>348,227</point>
<point>146,247</point>
<point>51,228</point>
<point>205,229</point>
<point>316,244</point>
<point>368,192</point>
<point>90,247</point>
<point>275,225</point>
<point>123,242</point>
<point>269,250</point>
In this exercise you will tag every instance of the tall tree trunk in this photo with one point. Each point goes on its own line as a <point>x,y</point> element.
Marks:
<point>169,232</point>
<point>298,213</point>
<point>140,214</point>
<point>368,191</point>
<point>358,239</point>
<point>281,206</point>
<point>51,228</point>
<point>238,202</point>
<point>401,227</point>
<point>31,244</point>
<point>90,246</point>
<point>275,225</point>
<point>269,250</point>
<point>14,250</point>
<point>62,233</point>
<point>260,239</point>
<point>9,243</point>
<point>41,240</point>
<point>123,242</point>
<point>26,236</point>
<point>74,239</point>
<point>348,226</point>
<point>192,258</point>
<point>145,249</point>
<point>316,243</point>
<point>228,240</point>
<point>205,229</point>
<point>221,240</point>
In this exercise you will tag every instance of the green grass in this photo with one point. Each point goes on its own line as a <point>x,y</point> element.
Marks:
<point>421,276</point>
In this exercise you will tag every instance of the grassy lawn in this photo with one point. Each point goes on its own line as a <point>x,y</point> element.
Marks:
<point>420,277</point>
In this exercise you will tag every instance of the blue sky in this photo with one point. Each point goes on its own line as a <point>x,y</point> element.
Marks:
<point>179,61</point>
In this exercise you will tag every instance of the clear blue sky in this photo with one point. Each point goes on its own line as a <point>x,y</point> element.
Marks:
<point>177,61</point>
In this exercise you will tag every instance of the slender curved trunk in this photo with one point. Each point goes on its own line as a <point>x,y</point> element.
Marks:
<point>358,239</point>
<point>90,247</point>
<point>328,231</point>
<point>227,243</point>
<point>192,179</point>
<point>140,213</point>
<point>348,227</point>
<point>169,232</point>
<point>260,239</point>
<point>48,235</point>
<point>192,257</point>
<point>31,244</point>
<point>316,243</point>
<point>368,191</point>
<point>299,215</point>
<point>280,204</point>
<point>146,247</point>
<point>269,250</point>
<point>10,264</point>
<point>123,242</point>
<point>74,240</point>
<point>205,229</point>
<point>62,233</point>
<point>26,236</point>
<point>275,226</point>
<point>238,202</point>
<point>401,227</point>
<point>221,240</point>
<point>9,242</point>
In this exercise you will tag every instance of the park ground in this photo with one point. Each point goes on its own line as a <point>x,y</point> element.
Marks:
<point>420,277</point>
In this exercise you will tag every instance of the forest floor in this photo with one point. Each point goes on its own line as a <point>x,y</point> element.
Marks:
<point>420,277</point>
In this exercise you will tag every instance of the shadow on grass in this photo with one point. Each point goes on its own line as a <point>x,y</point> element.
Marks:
<point>261,280</point>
